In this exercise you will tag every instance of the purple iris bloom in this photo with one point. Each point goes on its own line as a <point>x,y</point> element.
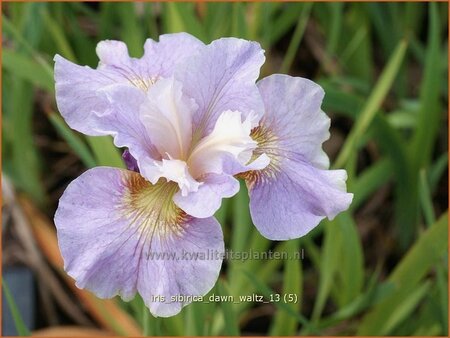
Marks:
<point>192,120</point>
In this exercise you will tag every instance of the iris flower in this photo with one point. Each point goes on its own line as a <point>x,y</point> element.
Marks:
<point>192,121</point>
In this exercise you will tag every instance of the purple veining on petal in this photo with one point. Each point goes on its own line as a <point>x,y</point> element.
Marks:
<point>296,199</point>
<point>77,87</point>
<point>119,235</point>
<point>294,117</point>
<point>124,97</point>
<point>222,78</point>
<point>193,271</point>
<point>130,161</point>
<point>295,192</point>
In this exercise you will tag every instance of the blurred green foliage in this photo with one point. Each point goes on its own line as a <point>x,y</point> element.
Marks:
<point>384,70</point>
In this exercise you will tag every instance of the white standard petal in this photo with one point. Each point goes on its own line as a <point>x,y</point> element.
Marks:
<point>175,171</point>
<point>167,116</point>
<point>230,138</point>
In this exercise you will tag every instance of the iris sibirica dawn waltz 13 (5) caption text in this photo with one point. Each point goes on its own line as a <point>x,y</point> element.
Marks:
<point>192,120</point>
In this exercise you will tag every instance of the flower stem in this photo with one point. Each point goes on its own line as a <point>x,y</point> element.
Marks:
<point>145,321</point>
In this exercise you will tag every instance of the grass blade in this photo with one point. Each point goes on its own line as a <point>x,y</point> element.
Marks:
<point>27,69</point>
<point>266,291</point>
<point>77,145</point>
<point>238,25</point>
<point>405,308</point>
<point>59,37</point>
<point>131,31</point>
<point>328,266</point>
<point>23,43</point>
<point>425,199</point>
<point>21,328</point>
<point>373,104</point>
<point>430,114</point>
<point>283,22</point>
<point>231,322</point>
<point>296,38</point>
<point>407,274</point>
<point>292,284</point>
<point>106,154</point>
<point>369,181</point>
<point>351,271</point>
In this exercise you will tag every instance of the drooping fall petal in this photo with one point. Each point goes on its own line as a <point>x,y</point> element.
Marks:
<point>119,235</point>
